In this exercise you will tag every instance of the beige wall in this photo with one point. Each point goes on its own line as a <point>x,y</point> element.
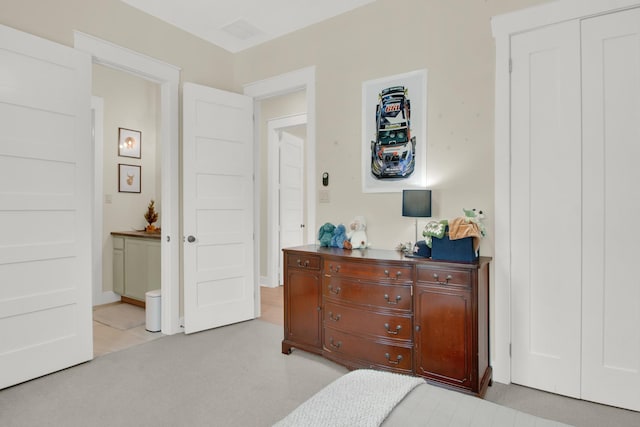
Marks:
<point>132,103</point>
<point>452,40</point>
<point>115,21</point>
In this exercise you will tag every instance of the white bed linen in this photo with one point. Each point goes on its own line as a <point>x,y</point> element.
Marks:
<point>431,406</point>
<point>361,398</point>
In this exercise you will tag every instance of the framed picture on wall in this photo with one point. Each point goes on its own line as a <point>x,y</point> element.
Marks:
<point>129,178</point>
<point>129,143</point>
<point>394,133</point>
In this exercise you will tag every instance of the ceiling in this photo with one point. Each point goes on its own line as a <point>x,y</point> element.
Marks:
<point>236,25</point>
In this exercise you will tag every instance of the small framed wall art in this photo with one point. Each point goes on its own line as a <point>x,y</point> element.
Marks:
<point>129,143</point>
<point>129,178</point>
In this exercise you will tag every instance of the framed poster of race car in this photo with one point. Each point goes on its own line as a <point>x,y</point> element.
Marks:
<point>394,133</point>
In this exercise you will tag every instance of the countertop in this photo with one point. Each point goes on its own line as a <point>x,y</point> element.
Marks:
<point>137,233</point>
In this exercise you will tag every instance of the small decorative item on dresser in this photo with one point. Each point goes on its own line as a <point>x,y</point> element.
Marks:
<point>151,216</point>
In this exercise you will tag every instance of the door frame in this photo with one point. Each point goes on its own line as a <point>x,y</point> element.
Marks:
<point>302,79</point>
<point>97,129</point>
<point>167,76</point>
<point>503,27</point>
<point>274,127</point>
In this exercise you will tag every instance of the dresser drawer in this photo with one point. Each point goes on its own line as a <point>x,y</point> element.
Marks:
<point>310,262</point>
<point>392,272</point>
<point>443,276</point>
<point>353,319</point>
<point>367,352</point>
<point>368,294</point>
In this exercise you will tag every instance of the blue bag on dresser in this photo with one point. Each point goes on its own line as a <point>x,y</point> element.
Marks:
<point>459,250</point>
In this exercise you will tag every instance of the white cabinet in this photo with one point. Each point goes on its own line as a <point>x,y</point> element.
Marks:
<point>567,140</point>
<point>136,264</point>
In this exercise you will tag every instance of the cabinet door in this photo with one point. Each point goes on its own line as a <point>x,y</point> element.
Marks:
<point>303,307</point>
<point>546,209</point>
<point>153,266</point>
<point>118,265</point>
<point>137,268</point>
<point>444,335</point>
<point>611,289</point>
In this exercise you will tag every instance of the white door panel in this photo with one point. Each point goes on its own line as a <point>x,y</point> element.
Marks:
<point>45,207</point>
<point>611,288</point>
<point>545,209</point>
<point>218,207</point>
<point>291,194</point>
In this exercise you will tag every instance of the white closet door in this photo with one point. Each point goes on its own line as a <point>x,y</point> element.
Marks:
<point>545,209</point>
<point>611,285</point>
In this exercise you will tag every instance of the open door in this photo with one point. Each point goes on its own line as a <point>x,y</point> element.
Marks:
<point>218,207</point>
<point>291,196</point>
<point>45,207</point>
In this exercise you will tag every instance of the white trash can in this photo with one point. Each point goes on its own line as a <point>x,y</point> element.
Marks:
<point>152,310</point>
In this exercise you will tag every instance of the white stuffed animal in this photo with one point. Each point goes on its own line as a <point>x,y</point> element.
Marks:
<point>356,234</point>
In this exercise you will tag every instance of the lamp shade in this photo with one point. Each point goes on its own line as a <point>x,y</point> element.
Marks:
<point>416,203</point>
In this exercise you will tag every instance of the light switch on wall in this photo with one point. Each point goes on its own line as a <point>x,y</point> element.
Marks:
<point>108,198</point>
<point>324,196</point>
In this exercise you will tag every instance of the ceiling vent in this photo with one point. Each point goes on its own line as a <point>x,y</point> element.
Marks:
<point>242,30</point>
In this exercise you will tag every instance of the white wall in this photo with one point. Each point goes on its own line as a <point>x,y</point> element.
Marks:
<point>132,103</point>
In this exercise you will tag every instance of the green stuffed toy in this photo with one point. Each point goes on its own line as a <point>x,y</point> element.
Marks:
<point>471,215</point>
<point>326,233</point>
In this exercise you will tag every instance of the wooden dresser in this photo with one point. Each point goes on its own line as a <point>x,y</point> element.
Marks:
<point>379,309</point>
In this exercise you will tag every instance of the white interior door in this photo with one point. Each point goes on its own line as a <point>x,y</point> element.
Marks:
<point>545,209</point>
<point>611,287</point>
<point>291,194</point>
<point>45,207</point>
<point>218,207</point>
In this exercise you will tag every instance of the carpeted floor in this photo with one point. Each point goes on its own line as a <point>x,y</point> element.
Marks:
<point>230,376</point>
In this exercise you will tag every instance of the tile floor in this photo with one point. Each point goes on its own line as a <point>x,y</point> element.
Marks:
<point>107,339</point>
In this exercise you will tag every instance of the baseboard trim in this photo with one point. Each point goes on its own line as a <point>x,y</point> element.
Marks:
<point>106,298</point>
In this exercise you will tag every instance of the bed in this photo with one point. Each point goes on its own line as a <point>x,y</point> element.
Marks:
<point>368,398</point>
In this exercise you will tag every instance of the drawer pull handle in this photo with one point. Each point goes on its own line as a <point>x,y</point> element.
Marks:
<point>398,274</point>
<point>335,345</point>
<point>389,331</point>
<point>446,282</point>
<point>393,362</point>
<point>398,298</point>
<point>334,318</point>
<point>305,264</point>
<point>334,291</point>
<point>335,269</point>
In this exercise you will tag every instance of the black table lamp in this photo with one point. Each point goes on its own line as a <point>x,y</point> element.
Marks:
<point>417,204</point>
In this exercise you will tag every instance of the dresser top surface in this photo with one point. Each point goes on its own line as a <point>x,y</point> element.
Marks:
<point>377,254</point>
